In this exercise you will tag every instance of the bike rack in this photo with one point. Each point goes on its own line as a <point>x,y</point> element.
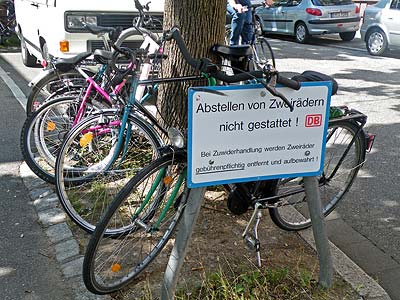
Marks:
<point>189,218</point>
<point>182,241</point>
<point>319,231</point>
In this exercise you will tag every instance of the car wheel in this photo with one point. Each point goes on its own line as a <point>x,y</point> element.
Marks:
<point>301,32</point>
<point>376,42</point>
<point>28,59</point>
<point>347,36</point>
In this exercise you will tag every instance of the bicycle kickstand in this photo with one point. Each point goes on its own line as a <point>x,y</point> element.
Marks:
<point>251,238</point>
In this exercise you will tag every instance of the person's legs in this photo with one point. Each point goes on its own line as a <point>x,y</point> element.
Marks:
<point>236,24</point>
<point>247,29</point>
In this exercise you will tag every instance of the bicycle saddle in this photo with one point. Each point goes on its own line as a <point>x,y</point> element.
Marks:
<point>317,76</point>
<point>232,51</point>
<point>102,56</point>
<point>67,64</point>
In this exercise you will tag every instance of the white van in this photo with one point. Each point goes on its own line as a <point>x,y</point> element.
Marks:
<point>55,27</point>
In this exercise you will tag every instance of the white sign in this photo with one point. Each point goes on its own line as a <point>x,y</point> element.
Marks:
<point>243,133</point>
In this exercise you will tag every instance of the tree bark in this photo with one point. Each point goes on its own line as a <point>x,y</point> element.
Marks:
<point>201,23</point>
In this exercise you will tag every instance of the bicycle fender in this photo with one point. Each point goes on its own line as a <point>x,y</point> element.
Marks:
<point>39,77</point>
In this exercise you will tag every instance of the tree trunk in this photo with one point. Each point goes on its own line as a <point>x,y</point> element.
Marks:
<point>201,23</point>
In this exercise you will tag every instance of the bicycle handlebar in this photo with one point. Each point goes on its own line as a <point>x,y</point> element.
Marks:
<point>290,83</point>
<point>141,7</point>
<point>206,66</point>
<point>141,22</point>
<point>113,32</point>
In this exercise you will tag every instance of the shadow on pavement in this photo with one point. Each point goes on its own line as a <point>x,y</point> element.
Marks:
<point>332,41</point>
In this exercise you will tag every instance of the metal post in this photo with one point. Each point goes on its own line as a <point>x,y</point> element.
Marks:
<point>319,230</point>
<point>182,241</point>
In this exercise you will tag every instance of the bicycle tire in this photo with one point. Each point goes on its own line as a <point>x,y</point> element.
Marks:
<point>53,84</point>
<point>39,143</point>
<point>340,133</point>
<point>90,173</point>
<point>112,263</point>
<point>262,53</point>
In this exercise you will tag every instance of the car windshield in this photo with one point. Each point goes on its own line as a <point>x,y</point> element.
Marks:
<point>331,2</point>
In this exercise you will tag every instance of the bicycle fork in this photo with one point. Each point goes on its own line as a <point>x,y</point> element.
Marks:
<point>251,237</point>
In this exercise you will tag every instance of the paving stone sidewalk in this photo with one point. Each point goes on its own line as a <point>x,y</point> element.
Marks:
<point>53,220</point>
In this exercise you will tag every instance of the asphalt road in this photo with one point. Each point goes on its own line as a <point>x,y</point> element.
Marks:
<point>370,85</point>
<point>366,83</point>
<point>27,269</point>
<point>368,223</point>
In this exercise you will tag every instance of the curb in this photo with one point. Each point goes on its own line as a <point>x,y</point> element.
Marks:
<point>361,282</point>
<point>13,49</point>
<point>54,221</point>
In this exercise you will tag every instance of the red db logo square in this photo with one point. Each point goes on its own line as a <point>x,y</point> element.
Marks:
<point>313,120</point>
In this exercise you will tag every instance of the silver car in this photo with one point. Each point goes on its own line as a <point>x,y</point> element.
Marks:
<point>381,26</point>
<point>304,18</point>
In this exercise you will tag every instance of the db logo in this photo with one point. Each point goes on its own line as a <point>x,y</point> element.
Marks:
<point>313,120</point>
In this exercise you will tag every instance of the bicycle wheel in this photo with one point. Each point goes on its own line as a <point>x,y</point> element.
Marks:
<point>44,131</point>
<point>92,167</point>
<point>147,211</point>
<point>262,54</point>
<point>227,35</point>
<point>333,184</point>
<point>55,84</point>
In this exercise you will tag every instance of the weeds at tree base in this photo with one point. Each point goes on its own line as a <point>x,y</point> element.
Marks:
<point>218,266</point>
<point>280,283</point>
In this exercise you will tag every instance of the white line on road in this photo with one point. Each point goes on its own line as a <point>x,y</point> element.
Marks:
<point>18,94</point>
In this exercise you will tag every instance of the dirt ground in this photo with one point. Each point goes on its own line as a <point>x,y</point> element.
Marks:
<point>217,245</point>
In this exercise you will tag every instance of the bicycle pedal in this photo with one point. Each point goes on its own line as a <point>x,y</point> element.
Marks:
<point>251,242</point>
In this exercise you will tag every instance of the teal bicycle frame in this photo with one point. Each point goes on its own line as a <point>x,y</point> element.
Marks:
<point>159,181</point>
